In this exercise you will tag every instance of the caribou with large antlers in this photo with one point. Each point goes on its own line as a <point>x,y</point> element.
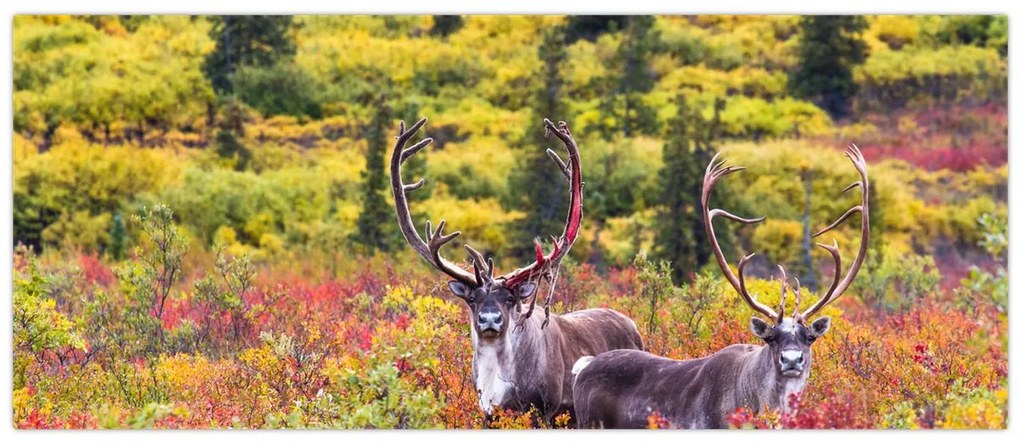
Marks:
<point>522,358</point>
<point>620,389</point>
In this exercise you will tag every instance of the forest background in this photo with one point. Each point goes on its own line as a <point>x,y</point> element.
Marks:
<point>204,235</point>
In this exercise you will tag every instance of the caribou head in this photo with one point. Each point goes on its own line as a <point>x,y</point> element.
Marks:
<point>494,305</point>
<point>789,339</point>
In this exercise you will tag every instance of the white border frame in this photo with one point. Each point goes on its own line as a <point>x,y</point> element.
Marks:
<point>11,7</point>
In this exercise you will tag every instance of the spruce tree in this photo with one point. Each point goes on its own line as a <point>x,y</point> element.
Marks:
<point>830,47</point>
<point>590,27</point>
<point>444,25</point>
<point>808,270</point>
<point>624,112</point>
<point>118,237</point>
<point>254,40</point>
<point>681,236</point>
<point>228,142</point>
<point>679,178</point>
<point>376,216</point>
<point>241,41</point>
<point>705,148</point>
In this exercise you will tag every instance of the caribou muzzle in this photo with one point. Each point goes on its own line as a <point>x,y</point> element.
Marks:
<point>490,323</point>
<point>791,363</point>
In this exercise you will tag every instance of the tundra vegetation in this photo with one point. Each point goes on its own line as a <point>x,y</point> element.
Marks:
<point>204,237</point>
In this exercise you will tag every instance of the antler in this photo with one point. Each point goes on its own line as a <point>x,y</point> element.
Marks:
<point>543,264</point>
<point>796,302</point>
<point>713,174</point>
<point>783,284</point>
<point>428,249</point>
<point>840,285</point>
<point>483,268</point>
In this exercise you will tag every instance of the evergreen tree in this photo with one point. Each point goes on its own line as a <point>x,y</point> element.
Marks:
<point>228,145</point>
<point>540,190</point>
<point>830,47</point>
<point>376,216</point>
<point>622,107</point>
<point>808,271</point>
<point>230,148</point>
<point>676,242</point>
<point>444,25</point>
<point>705,148</point>
<point>118,237</point>
<point>256,44</point>
<point>590,27</point>
<point>681,237</point>
<point>255,40</point>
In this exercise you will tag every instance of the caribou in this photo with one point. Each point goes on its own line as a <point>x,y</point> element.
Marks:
<point>522,357</point>
<point>621,389</point>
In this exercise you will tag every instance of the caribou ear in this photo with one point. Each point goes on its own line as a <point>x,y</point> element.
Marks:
<point>760,328</point>
<point>460,289</point>
<point>819,327</point>
<point>526,289</point>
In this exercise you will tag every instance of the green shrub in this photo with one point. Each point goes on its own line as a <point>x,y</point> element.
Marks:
<point>896,281</point>
<point>983,285</point>
<point>283,88</point>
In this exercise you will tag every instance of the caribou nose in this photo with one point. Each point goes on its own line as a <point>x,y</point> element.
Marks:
<point>490,320</point>
<point>791,359</point>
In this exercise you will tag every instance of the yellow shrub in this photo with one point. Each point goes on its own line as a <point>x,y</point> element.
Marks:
<point>779,241</point>
<point>479,220</point>
<point>894,30</point>
<point>980,410</point>
<point>618,236</point>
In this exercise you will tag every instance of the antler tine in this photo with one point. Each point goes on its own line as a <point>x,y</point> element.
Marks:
<point>564,168</point>
<point>560,130</point>
<point>838,261</point>
<point>415,186</point>
<point>483,268</point>
<point>840,285</point>
<point>783,284</point>
<point>478,270</point>
<point>796,301</point>
<point>436,242</point>
<point>720,212</point>
<point>407,153</point>
<point>848,214</point>
<point>427,249</point>
<point>539,253</point>
<point>713,173</point>
<point>481,272</point>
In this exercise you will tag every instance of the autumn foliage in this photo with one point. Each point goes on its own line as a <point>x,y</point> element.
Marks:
<point>378,348</point>
<point>188,258</point>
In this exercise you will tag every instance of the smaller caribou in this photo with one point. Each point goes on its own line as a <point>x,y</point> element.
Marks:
<point>621,389</point>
